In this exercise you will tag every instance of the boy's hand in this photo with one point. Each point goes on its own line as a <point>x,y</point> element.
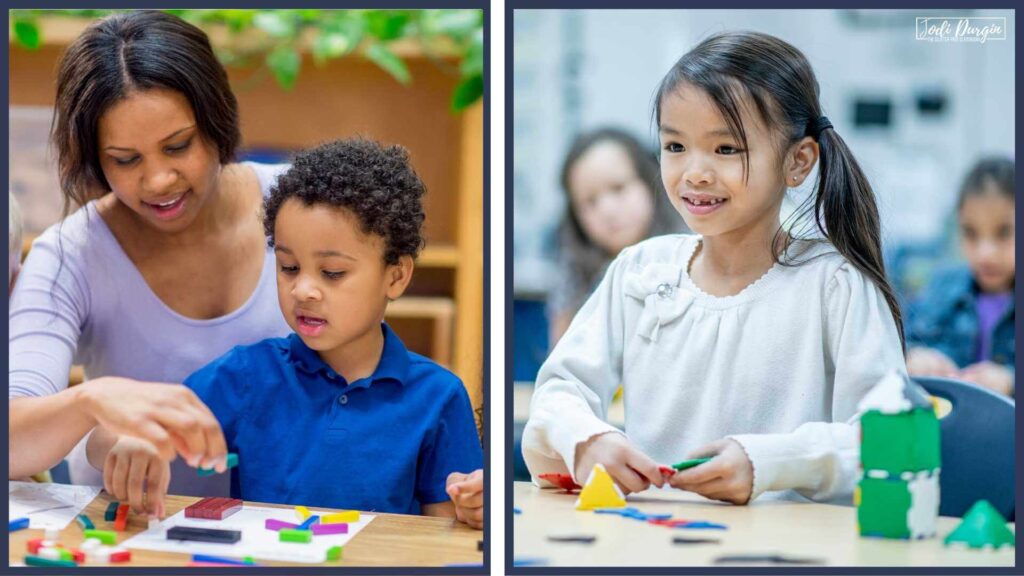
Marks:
<point>467,493</point>
<point>728,476</point>
<point>131,465</point>
<point>930,362</point>
<point>631,469</point>
<point>993,376</point>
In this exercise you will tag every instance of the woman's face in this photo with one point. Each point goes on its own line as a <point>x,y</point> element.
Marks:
<point>612,204</point>
<point>987,231</point>
<point>702,167</point>
<point>155,160</point>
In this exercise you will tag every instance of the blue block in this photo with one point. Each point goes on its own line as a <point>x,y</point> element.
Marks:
<point>18,524</point>
<point>308,523</point>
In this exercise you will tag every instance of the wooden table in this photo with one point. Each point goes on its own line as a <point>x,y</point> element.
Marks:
<point>805,530</point>
<point>389,540</point>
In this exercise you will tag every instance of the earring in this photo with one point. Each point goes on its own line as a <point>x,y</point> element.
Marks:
<point>795,178</point>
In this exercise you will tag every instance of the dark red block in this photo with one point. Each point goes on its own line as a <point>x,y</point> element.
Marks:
<point>563,481</point>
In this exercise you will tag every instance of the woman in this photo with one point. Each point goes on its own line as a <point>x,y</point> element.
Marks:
<point>162,269</point>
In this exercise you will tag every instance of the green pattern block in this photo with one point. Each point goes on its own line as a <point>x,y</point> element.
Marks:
<point>982,526</point>
<point>334,553</point>
<point>104,536</point>
<point>896,443</point>
<point>883,508</point>
<point>291,535</point>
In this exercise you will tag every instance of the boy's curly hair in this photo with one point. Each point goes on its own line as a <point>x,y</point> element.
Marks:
<point>373,181</point>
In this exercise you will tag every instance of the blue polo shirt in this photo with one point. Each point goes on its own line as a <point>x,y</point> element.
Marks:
<point>305,436</point>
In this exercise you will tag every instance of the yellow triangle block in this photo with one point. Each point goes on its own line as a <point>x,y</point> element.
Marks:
<point>600,491</point>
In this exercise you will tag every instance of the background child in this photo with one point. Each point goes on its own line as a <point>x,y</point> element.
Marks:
<point>339,414</point>
<point>744,343</point>
<point>613,199</point>
<point>13,241</point>
<point>963,326</point>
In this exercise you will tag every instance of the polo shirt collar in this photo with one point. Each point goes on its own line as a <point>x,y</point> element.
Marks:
<point>393,364</point>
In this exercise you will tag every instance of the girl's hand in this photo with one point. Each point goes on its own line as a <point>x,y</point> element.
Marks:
<point>729,476</point>
<point>135,473</point>
<point>930,362</point>
<point>168,416</point>
<point>467,493</point>
<point>995,377</point>
<point>630,468</point>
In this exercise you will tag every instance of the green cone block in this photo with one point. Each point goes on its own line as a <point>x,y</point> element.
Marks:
<point>982,526</point>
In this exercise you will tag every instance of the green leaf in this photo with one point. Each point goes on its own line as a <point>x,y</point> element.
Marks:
<point>473,59</point>
<point>27,34</point>
<point>285,63</point>
<point>458,23</point>
<point>276,24</point>
<point>382,56</point>
<point>330,45</point>
<point>386,24</point>
<point>469,90</point>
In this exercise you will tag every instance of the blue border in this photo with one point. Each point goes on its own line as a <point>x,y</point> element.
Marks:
<point>483,5</point>
<point>510,7</point>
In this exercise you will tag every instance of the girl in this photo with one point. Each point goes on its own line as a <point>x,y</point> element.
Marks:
<point>614,199</point>
<point>745,342</point>
<point>963,325</point>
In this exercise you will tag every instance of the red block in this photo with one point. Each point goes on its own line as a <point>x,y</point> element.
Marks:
<point>78,555</point>
<point>121,520</point>
<point>214,508</point>
<point>34,545</point>
<point>198,510</point>
<point>121,556</point>
<point>563,481</point>
<point>229,507</point>
<point>666,471</point>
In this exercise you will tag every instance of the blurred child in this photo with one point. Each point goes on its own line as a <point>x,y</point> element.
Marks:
<point>744,343</point>
<point>614,199</point>
<point>339,414</point>
<point>13,242</point>
<point>963,326</point>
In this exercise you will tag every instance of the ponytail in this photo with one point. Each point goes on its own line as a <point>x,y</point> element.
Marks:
<point>847,215</point>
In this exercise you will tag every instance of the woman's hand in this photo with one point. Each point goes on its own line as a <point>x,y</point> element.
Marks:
<point>630,468</point>
<point>168,416</point>
<point>728,476</point>
<point>135,473</point>
<point>467,493</point>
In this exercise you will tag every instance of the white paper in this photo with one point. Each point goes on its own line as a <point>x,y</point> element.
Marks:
<point>48,505</point>
<point>257,541</point>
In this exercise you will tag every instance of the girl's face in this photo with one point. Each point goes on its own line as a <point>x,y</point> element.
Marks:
<point>702,167</point>
<point>987,238</point>
<point>612,204</point>
<point>155,160</point>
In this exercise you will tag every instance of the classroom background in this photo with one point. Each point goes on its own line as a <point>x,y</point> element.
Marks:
<point>302,77</point>
<point>917,115</point>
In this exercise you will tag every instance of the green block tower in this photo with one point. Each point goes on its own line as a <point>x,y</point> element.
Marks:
<point>898,492</point>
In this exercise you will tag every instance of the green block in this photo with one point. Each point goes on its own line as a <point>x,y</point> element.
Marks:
<point>104,536</point>
<point>65,554</point>
<point>334,553</point>
<point>291,535</point>
<point>232,461</point>
<point>905,442</point>
<point>39,561</point>
<point>982,526</point>
<point>882,508</point>
<point>85,522</point>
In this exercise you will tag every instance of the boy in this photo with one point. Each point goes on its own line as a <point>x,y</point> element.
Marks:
<point>339,414</point>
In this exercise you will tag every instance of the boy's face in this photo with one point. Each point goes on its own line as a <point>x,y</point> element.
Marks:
<point>702,167</point>
<point>332,283</point>
<point>987,230</point>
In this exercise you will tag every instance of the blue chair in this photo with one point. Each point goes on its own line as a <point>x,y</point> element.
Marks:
<point>978,456</point>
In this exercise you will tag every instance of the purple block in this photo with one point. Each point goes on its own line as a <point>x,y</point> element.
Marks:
<point>275,525</point>
<point>322,529</point>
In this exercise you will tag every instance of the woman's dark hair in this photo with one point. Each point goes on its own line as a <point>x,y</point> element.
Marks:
<point>779,81</point>
<point>586,259</point>
<point>126,52</point>
<point>374,182</point>
<point>995,171</point>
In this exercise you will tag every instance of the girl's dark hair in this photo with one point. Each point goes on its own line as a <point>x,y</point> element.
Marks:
<point>997,171</point>
<point>779,81</point>
<point>587,259</point>
<point>122,53</point>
